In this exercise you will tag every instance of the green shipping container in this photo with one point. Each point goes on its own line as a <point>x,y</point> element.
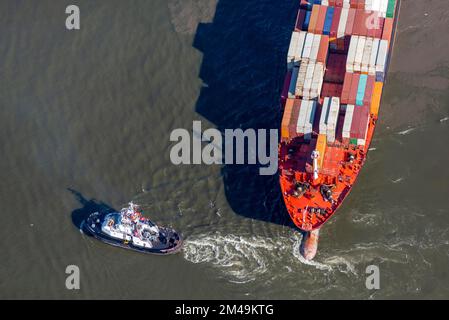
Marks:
<point>353,141</point>
<point>390,8</point>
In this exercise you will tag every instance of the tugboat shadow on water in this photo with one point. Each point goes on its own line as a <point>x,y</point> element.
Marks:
<point>88,207</point>
<point>243,69</point>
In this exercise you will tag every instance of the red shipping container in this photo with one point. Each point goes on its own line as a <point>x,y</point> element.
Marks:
<point>336,68</point>
<point>357,22</point>
<point>372,21</point>
<point>369,90</point>
<point>363,122</point>
<point>378,31</point>
<point>285,88</point>
<point>335,89</point>
<point>346,88</point>
<point>332,3</point>
<point>388,29</point>
<point>323,50</point>
<point>360,24</point>
<point>335,22</point>
<point>294,118</point>
<point>339,3</point>
<point>326,90</point>
<point>321,18</point>
<point>350,22</point>
<point>361,4</point>
<point>355,122</point>
<point>354,4</point>
<point>369,17</point>
<point>354,88</point>
<point>300,20</point>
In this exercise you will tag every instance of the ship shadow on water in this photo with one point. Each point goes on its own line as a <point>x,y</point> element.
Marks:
<point>243,49</point>
<point>88,206</point>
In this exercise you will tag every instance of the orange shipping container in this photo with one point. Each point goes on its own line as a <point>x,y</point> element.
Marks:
<point>286,118</point>
<point>375,101</point>
<point>388,30</point>
<point>321,148</point>
<point>314,18</point>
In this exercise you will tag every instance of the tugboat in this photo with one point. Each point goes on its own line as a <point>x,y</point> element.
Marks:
<point>130,230</point>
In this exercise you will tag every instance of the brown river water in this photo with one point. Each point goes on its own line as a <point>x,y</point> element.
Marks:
<point>85,119</point>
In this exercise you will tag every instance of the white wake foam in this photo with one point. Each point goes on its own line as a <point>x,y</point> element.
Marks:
<point>246,258</point>
<point>404,132</point>
<point>242,258</point>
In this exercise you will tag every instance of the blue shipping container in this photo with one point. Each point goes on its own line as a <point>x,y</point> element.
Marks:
<point>380,77</point>
<point>305,25</point>
<point>328,21</point>
<point>361,89</point>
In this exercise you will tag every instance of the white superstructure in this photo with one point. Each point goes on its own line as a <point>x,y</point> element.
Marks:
<point>129,225</point>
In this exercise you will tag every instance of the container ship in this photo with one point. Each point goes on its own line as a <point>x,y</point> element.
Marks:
<point>337,63</point>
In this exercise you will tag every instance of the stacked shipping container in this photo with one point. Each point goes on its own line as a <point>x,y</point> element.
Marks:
<point>339,49</point>
<point>367,55</point>
<point>306,57</point>
<point>329,118</point>
<point>384,7</point>
<point>298,119</point>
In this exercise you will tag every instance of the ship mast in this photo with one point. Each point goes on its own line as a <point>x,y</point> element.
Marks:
<point>315,156</point>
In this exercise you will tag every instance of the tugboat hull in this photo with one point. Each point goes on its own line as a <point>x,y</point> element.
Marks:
<point>172,244</point>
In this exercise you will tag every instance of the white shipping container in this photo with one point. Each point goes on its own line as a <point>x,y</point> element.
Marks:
<point>359,54</point>
<point>308,45</point>
<point>302,116</point>
<point>382,56</point>
<point>301,78</point>
<point>367,54</point>
<point>373,57</point>
<point>334,110</point>
<point>342,22</point>
<point>300,47</point>
<point>346,4</point>
<point>292,87</point>
<point>333,113</point>
<point>351,53</point>
<point>383,8</point>
<point>292,49</point>
<point>315,47</point>
<point>348,121</point>
<point>307,117</point>
<point>324,115</point>
<point>310,117</point>
<point>317,80</point>
<point>376,5</point>
<point>308,81</point>
<point>368,5</point>
<point>332,119</point>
